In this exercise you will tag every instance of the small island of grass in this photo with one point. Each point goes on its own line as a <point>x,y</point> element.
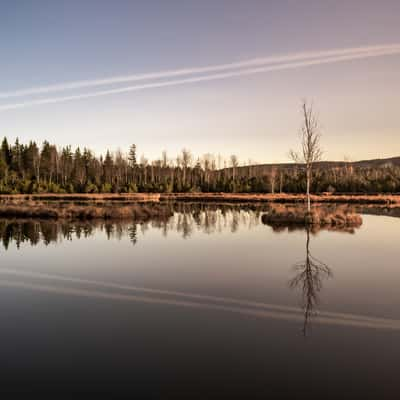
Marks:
<point>317,216</point>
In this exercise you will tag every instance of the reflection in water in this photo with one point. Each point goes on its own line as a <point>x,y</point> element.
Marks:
<point>132,232</point>
<point>186,221</point>
<point>310,274</point>
<point>66,285</point>
<point>175,307</point>
<point>188,300</point>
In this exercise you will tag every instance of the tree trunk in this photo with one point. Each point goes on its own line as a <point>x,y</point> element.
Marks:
<point>308,190</point>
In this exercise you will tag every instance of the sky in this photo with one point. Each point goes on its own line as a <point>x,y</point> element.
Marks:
<point>47,45</point>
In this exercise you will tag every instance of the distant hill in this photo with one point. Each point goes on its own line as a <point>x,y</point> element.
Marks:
<point>378,162</point>
<point>374,163</point>
<point>267,169</point>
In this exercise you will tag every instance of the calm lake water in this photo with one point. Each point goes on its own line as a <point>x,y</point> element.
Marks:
<point>211,302</point>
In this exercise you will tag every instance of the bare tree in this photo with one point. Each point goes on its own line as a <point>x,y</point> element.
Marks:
<point>143,163</point>
<point>186,160</point>
<point>311,151</point>
<point>272,178</point>
<point>164,159</point>
<point>234,161</point>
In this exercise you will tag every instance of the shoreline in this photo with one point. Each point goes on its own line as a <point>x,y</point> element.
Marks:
<point>141,207</point>
<point>203,197</point>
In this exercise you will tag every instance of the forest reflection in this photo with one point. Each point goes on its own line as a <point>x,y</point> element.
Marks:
<point>186,220</point>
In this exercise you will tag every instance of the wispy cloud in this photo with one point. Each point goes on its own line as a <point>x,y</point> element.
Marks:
<point>198,70</point>
<point>242,68</point>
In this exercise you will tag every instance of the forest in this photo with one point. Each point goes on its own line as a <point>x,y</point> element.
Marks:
<point>29,168</point>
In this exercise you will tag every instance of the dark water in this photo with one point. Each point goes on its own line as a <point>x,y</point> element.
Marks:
<point>210,303</point>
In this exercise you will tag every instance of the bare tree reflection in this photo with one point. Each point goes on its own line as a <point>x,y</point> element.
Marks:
<point>132,233</point>
<point>310,274</point>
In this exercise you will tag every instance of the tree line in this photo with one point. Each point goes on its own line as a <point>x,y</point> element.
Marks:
<point>30,168</point>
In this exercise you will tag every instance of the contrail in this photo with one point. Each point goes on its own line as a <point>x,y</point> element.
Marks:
<point>193,296</point>
<point>198,70</point>
<point>377,323</point>
<point>211,77</point>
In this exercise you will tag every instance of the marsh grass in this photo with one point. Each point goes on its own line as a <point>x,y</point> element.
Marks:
<point>83,212</point>
<point>338,216</point>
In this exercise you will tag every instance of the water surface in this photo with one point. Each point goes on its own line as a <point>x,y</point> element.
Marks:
<point>211,301</point>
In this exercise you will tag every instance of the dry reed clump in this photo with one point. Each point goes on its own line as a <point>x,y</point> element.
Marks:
<point>319,216</point>
<point>42,211</point>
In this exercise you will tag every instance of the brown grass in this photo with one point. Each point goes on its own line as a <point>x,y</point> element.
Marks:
<point>95,197</point>
<point>42,211</point>
<point>319,216</point>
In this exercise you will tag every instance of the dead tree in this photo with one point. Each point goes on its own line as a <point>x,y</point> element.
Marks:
<point>311,151</point>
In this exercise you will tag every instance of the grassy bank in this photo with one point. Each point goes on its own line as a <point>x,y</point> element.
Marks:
<point>279,208</point>
<point>137,212</point>
<point>82,197</point>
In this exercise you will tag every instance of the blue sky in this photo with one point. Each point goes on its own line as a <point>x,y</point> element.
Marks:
<point>257,116</point>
